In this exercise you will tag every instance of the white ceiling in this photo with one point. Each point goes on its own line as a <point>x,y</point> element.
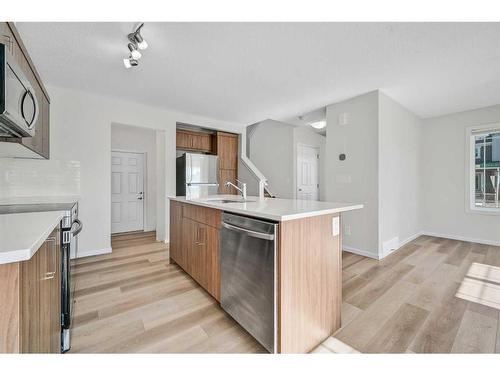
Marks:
<point>247,72</point>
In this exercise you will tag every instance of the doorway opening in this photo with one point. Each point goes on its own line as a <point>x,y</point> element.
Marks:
<point>133,179</point>
<point>307,172</point>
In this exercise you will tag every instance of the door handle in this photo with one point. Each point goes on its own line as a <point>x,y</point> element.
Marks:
<point>248,232</point>
<point>139,198</point>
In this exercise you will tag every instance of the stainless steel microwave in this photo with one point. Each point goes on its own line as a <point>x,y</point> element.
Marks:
<point>18,103</point>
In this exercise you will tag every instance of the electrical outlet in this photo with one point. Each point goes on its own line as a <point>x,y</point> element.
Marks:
<point>335,226</point>
<point>347,230</point>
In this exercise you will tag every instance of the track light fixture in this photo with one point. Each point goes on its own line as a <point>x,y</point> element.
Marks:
<point>136,43</point>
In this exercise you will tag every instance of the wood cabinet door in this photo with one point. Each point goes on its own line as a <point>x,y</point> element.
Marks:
<point>227,149</point>
<point>188,239</point>
<point>182,140</point>
<point>197,252</point>
<point>50,295</point>
<point>212,262</point>
<point>206,142</point>
<point>30,280</point>
<point>46,264</point>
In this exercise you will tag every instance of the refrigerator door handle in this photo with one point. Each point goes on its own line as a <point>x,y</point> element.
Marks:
<point>201,184</point>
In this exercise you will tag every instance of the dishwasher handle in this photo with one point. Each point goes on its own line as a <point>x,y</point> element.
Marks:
<point>248,232</point>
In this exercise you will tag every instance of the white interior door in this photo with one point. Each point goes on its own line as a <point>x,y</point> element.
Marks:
<point>307,172</point>
<point>127,192</point>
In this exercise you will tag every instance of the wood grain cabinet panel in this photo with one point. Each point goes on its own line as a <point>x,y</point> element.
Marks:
<point>227,149</point>
<point>197,245</point>
<point>31,317</point>
<point>194,141</point>
<point>310,283</point>
<point>175,246</point>
<point>204,215</point>
<point>212,260</point>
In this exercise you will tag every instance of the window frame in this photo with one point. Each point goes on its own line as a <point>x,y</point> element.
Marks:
<point>470,175</point>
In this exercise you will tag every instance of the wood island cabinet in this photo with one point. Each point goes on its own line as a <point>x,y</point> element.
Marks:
<point>30,291</point>
<point>194,243</point>
<point>308,270</point>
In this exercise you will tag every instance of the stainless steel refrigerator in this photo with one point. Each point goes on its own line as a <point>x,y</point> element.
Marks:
<point>197,175</point>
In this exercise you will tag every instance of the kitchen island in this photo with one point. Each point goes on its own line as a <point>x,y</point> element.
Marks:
<point>307,260</point>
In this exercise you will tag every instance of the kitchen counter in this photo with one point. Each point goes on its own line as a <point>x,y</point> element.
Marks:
<point>22,234</point>
<point>272,208</point>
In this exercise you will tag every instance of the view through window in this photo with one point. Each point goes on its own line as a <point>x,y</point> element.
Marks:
<point>487,169</point>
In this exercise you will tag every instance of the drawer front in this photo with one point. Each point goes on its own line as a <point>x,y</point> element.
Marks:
<point>205,215</point>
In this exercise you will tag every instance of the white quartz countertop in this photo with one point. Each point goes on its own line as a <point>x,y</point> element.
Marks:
<point>272,208</point>
<point>21,235</point>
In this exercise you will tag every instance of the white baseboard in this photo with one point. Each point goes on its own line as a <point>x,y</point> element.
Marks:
<point>400,245</point>
<point>382,255</point>
<point>364,253</point>
<point>461,238</point>
<point>89,253</point>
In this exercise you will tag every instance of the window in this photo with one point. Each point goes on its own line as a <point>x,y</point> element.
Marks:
<point>485,169</point>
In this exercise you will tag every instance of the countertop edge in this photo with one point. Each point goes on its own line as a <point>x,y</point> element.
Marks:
<point>302,215</point>
<point>21,255</point>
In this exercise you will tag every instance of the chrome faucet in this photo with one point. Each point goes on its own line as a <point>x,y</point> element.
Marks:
<point>242,190</point>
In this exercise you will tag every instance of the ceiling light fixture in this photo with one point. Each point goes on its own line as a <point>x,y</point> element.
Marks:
<point>136,42</point>
<point>137,38</point>
<point>318,124</point>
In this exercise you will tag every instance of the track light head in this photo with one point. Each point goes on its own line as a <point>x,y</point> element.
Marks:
<point>137,38</point>
<point>134,52</point>
<point>130,62</point>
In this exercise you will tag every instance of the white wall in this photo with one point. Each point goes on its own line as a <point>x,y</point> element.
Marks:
<point>356,178</point>
<point>400,200</point>
<point>443,175</point>
<point>306,136</point>
<point>81,131</point>
<point>21,178</point>
<point>271,150</point>
<point>135,139</point>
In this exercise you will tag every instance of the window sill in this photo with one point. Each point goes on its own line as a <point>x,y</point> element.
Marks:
<point>484,211</point>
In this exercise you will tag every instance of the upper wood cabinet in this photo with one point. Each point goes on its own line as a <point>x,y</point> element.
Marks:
<point>39,143</point>
<point>30,291</point>
<point>227,149</point>
<point>194,141</point>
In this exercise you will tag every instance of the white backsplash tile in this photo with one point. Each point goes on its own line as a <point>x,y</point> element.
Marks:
<point>25,178</point>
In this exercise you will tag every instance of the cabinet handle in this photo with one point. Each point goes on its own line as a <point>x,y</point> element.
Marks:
<point>52,274</point>
<point>49,275</point>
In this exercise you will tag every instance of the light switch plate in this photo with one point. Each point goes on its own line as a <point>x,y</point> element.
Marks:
<point>344,118</point>
<point>335,226</point>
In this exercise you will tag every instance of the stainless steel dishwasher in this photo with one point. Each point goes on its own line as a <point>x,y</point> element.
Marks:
<point>248,275</point>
